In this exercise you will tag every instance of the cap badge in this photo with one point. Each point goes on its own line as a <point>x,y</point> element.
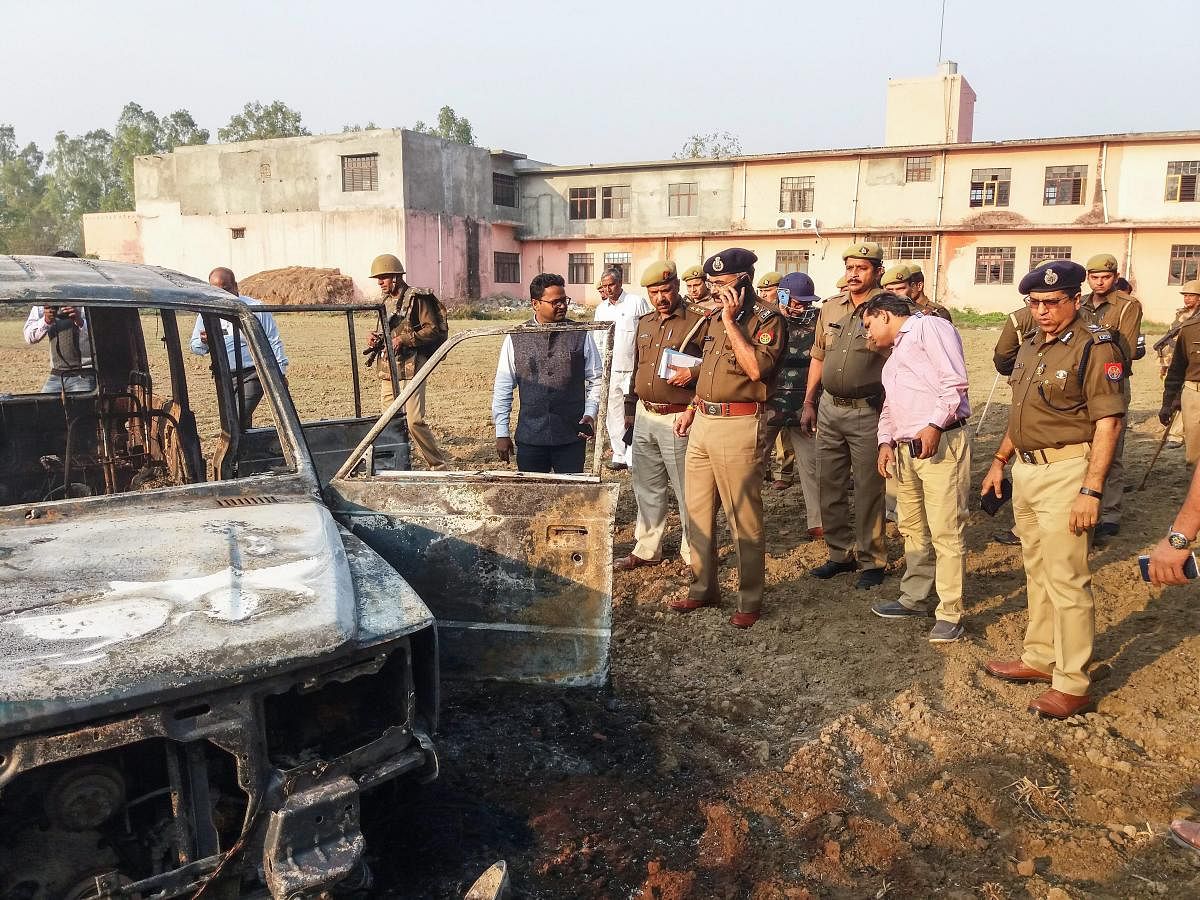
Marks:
<point>718,264</point>
<point>864,249</point>
<point>1050,277</point>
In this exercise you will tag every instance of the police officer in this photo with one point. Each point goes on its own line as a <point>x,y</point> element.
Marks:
<point>697,288</point>
<point>417,329</point>
<point>916,293</point>
<point>1165,348</point>
<point>895,281</point>
<point>1068,402</point>
<point>1181,384</point>
<point>1120,315</point>
<point>768,287</point>
<point>652,407</point>
<point>796,298</point>
<point>846,422</point>
<point>740,348</point>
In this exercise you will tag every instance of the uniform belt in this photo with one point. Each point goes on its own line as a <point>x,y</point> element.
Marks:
<point>957,423</point>
<point>664,409</point>
<point>1053,454</point>
<point>728,409</point>
<point>1192,385</point>
<point>856,402</point>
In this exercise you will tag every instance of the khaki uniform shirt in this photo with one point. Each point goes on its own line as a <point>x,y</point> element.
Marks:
<point>1185,361</point>
<point>720,378</point>
<point>1167,350</point>
<point>929,308</point>
<point>654,335</point>
<point>414,320</point>
<point>1120,315</point>
<point>1051,405</point>
<point>1018,326</point>
<point>850,368</point>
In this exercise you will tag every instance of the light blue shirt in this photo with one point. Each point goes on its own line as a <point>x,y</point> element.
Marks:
<point>268,323</point>
<point>506,381</point>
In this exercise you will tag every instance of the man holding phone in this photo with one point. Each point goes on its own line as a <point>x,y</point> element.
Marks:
<point>1067,407</point>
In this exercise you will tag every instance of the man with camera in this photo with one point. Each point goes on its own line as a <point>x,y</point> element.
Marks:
<point>70,347</point>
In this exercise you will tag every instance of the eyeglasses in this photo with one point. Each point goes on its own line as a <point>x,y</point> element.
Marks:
<point>1049,304</point>
<point>564,301</point>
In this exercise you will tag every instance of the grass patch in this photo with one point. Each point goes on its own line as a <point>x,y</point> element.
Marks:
<point>971,318</point>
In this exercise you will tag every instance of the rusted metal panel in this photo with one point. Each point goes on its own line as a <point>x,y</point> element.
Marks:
<point>518,572</point>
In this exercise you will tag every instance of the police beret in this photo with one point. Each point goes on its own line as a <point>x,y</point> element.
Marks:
<point>693,273</point>
<point>1190,287</point>
<point>658,272</point>
<point>769,279</point>
<point>895,275</point>
<point>733,261</point>
<point>915,272</point>
<point>1055,275</point>
<point>865,250</point>
<point>800,287</point>
<point>1102,262</point>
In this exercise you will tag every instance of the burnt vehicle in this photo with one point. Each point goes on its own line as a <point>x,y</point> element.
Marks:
<point>214,639</point>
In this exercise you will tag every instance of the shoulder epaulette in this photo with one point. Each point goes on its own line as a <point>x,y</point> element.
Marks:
<point>764,313</point>
<point>1099,335</point>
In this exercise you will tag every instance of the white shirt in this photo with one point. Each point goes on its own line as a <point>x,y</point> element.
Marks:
<point>625,312</point>
<point>269,326</point>
<point>36,329</point>
<point>506,380</point>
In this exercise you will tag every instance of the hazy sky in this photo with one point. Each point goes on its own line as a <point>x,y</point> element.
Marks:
<point>574,82</point>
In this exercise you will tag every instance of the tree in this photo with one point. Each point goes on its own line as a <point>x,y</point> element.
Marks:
<point>140,132</point>
<point>718,145</point>
<point>82,179</point>
<point>450,127</point>
<point>27,223</point>
<point>257,122</point>
<point>368,127</point>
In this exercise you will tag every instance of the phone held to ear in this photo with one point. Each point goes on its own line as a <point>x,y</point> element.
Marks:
<point>1190,570</point>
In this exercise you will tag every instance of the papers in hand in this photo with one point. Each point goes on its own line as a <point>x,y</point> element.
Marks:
<point>673,359</point>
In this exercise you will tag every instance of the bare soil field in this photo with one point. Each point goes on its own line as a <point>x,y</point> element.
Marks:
<point>824,752</point>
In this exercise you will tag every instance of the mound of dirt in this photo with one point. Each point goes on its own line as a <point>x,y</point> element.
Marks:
<point>301,284</point>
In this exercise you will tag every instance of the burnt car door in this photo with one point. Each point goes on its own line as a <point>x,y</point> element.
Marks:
<point>517,567</point>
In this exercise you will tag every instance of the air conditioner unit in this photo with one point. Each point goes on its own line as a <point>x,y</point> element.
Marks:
<point>785,223</point>
<point>810,223</point>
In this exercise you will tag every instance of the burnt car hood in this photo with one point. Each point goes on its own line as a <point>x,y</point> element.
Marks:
<point>117,611</point>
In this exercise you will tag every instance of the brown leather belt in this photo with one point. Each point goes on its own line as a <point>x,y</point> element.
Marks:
<point>665,409</point>
<point>857,402</point>
<point>1053,454</point>
<point>723,410</point>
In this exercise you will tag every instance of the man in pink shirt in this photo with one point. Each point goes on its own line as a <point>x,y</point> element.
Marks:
<point>923,445</point>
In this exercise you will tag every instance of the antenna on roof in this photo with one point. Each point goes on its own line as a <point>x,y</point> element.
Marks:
<point>941,30</point>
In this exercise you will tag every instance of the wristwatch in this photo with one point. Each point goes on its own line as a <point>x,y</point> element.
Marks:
<point>1178,541</point>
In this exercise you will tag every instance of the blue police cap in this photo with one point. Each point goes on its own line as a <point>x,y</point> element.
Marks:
<point>1055,275</point>
<point>800,287</point>
<point>733,261</point>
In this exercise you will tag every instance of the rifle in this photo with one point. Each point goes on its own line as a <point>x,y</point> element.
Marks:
<point>1172,332</point>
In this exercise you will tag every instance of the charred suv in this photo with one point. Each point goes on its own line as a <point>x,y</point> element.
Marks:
<point>214,635</point>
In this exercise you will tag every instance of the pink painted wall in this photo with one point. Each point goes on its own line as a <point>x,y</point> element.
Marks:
<point>448,276</point>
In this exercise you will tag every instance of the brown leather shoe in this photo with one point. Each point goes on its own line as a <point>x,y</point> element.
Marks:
<point>1057,705</point>
<point>1186,833</point>
<point>817,534</point>
<point>687,604</point>
<point>743,619</point>
<point>630,562</point>
<point>1016,671</point>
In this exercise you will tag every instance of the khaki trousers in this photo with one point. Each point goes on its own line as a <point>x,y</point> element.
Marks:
<point>418,428</point>
<point>1189,413</point>
<point>779,444</point>
<point>848,448</point>
<point>1062,616</point>
<point>659,457</point>
<point>1114,481</point>
<point>724,462</point>
<point>804,453</point>
<point>931,507</point>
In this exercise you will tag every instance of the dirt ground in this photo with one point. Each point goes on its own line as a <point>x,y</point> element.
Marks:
<point>823,753</point>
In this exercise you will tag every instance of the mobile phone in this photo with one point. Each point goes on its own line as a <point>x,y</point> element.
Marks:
<point>587,429</point>
<point>1190,570</point>
<point>914,447</point>
<point>990,503</point>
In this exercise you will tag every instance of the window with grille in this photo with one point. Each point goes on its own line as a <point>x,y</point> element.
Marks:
<point>990,187</point>
<point>622,261</point>
<point>580,269</point>
<point>506,268</point>
<point>1040,253</point>
<point>994,265</point>
<point>614,202</point>
<point>797,194</point>
<point>360,173</point>
<point>237,233</point>
<point>683,199</point>
<point>581,203</point>
<point>918,168</point>
<point>788,261</point>
<point>1185,263</point>
<point>504,190</point>
<point>1064,185</point>
<point>1181,181</point>
<point>903,246</point>
<point>264,172</point>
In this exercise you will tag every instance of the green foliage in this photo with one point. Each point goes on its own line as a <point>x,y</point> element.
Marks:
<point>717,145</point>
<point>27,222</point>
<point>257,122</point>
<point>140,132</point>
<point>450,127</point>
<point>368,127</point>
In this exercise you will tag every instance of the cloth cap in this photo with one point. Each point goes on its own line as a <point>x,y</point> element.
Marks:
<point>915,272</point>
<point>734,261</point>
<point>1102,262</point>
<point>865,250</point>
<point>769,279</point>
<point>895,275</point>
<point>1055,275</point>
<point>693,273</point>
<point>1191,287</point>
<point>658,272</point>
<point>800,287</point>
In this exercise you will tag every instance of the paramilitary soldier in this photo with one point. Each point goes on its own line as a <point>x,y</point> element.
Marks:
<point>417,328</point>
<point>846,423</point>
<point>1068,401</point>
<point>1120,315</point>
<point>740,349</point>
<point>652,407</point>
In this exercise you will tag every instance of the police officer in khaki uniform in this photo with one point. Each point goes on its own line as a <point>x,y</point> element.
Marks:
<point>652,407</point>
<point>916,294</point>
<point>895,281</point>
<point>417,329</point>
<point>1181,384</point>
<point>778,442</point>
<point>697,288</point>
<point>740,349</point>
<point>768,288</point>
<point>1068,386</point>
<point>1165,348</point>
<point>846,423</point>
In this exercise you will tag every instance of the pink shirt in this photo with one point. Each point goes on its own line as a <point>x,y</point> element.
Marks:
<point>924,380</point>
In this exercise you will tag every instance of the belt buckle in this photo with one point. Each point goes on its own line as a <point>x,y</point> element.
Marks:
<point>712,409</point>
<point>1028,457</point>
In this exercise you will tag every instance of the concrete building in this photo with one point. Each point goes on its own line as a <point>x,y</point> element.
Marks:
<point>470,222</point>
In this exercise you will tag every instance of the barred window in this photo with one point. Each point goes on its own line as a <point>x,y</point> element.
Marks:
<point>614,202</point>
<point>1064,185</point>
<point>918,168</point>
<point>506,268</point>
<point>994,265</point>
<point>622,261</point>
<point>683,199</point>
<point>580,269</point>
<point>990,187</point>
<point>1185,263</point>
<point>788,261</point>
<point>237,234</point>
<point>903,246</point>
<point>1040,253</point>
<point>797,194</point>
<point>582,203</point>
<point>1181,181</point>
<point>264,172</point>
<point>504,190</point>
<point>360,173</point>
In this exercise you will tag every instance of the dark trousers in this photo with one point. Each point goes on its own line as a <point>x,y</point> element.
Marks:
<point>252,393</point>
<point>561,459</point>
